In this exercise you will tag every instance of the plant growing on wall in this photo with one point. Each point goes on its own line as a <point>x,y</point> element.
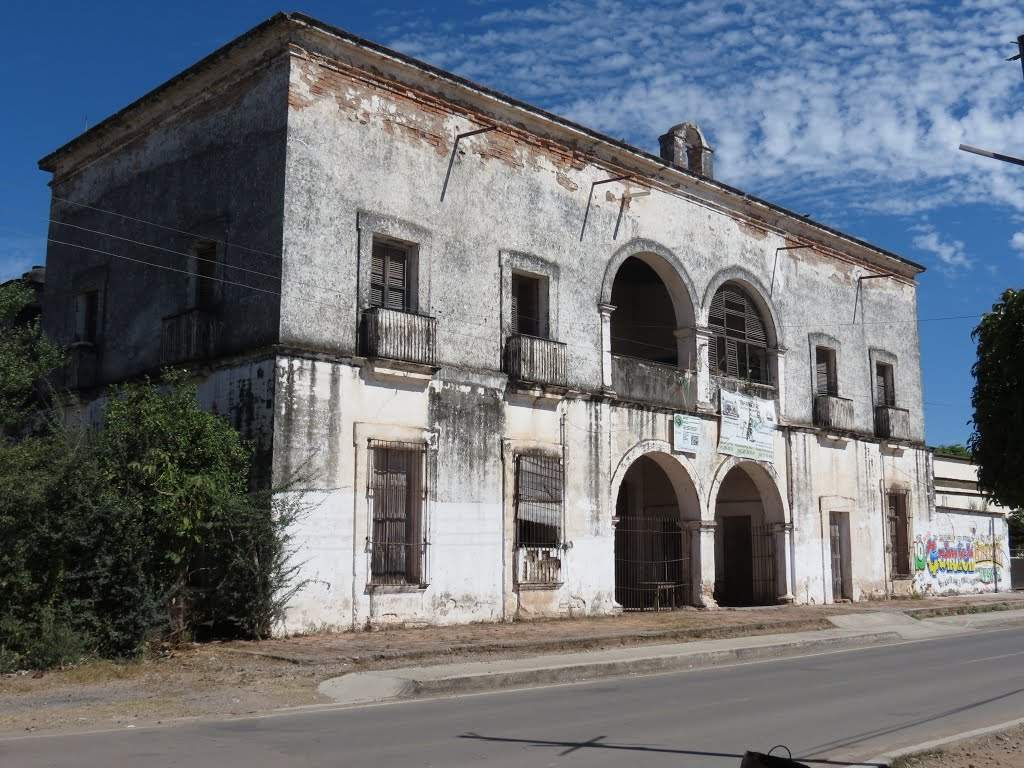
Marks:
<point>996,443</point>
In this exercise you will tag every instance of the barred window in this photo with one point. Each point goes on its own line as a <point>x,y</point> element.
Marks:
<point>538,500</point>
<point>899,534</point>
<point>396,490</point>
<point>740,344</point>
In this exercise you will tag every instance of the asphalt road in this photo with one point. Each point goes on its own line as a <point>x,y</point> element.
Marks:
<point>834,707</point>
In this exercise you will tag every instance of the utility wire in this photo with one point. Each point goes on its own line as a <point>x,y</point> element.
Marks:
<point>163,226</point>
<point>589,349</point>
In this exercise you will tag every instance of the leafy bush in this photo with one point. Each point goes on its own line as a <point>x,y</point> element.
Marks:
<point>145,531</point>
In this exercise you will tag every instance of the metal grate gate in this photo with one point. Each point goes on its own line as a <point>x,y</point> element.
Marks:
<point>652,561</point>
<point>396,489</point>
<point>762,543</point>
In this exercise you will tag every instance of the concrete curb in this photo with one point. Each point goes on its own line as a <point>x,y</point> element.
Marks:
<point>391,685</point>
<point>946,741</point>
<point>570,644</point>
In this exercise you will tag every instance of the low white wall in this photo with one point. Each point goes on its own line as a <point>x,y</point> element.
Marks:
<point>957,553</point>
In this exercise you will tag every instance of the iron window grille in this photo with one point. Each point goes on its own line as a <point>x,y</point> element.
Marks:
<point>538,500</point>
<point>538,521</point>
<point>899,534</point>
<point>397,490</point>
<point>739,345</point>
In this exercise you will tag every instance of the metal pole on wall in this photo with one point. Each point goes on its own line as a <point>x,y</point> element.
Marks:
<point>995,557</point>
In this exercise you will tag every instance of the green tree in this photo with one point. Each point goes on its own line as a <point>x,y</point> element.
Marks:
<point>145,530</point>
<point>26,358</point>
<point>953,449</point>
<point>996,443</point>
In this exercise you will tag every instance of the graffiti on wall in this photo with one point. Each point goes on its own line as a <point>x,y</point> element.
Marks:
<point>955,562</point>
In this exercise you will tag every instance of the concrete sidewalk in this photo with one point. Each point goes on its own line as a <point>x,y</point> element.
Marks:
<point>855,630</point>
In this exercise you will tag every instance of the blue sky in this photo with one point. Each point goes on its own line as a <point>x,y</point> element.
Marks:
<point>847,110</point>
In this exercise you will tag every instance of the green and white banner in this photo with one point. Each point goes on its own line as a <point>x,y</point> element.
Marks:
<point>748,426</point>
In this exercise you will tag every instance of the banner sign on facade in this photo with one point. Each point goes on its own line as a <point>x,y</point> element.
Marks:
<point>686,432</point>
<point>748,426</point>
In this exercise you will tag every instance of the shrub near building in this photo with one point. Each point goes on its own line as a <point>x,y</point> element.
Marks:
<point>144,531</point>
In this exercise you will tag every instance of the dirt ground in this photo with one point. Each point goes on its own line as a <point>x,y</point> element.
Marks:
<point>223,679</point>
<point>996,750</point>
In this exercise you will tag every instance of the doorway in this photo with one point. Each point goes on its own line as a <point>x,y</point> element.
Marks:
<point>839,549</point>
<point>745,547</point>
<point>652,545</point>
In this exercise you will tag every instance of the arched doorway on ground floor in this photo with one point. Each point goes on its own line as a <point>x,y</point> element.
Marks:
<point>653,562</point>
<point>749,550</point>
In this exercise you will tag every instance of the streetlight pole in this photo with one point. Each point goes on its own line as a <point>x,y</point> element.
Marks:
<point>989,153</point>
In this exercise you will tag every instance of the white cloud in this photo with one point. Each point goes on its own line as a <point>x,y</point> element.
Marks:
<point>868,97</point>
<point>951,254</point>
<point>1017,243</point>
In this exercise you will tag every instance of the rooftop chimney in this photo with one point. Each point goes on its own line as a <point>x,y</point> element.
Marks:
<point>685,147</point>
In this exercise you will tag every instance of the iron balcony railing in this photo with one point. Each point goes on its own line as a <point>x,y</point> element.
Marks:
<point>396,335</point>
<point>189,335</point>
<point>645,381</point>
<point>892,422</point>
<point>762,389</point>
<point>833,412</point>
<point>535,360</point>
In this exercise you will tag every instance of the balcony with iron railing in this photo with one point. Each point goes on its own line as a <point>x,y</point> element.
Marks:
<point>189,335</point>
<point>763,389</point>
<point>533,360</point>
<point>833,412</point>
<point>392,334</point>
<point>892,422</point>
<point>645,381</point>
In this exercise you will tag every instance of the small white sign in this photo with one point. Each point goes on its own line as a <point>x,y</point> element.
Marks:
<point>686,430</point>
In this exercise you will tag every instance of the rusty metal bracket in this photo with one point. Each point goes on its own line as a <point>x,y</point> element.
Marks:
<point>586,214</point>
<point>857,296</point>
<point>455,149</point>
<point>771,286</point>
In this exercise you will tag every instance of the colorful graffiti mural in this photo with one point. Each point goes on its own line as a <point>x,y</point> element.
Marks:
<point>947,563</point>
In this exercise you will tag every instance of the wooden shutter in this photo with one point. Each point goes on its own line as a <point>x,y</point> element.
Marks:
<point>396,282</point>
<point>825,371</point>
<point>389,281</point>
<point>377,276</point>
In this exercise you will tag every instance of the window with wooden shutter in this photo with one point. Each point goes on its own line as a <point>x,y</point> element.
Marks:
<point>207,292</point>
<point>885,392</point>
<point>526,305</point>
<point>825,374</point>
<point>87,316</point>
<point>739,348</point>
<point>397,492</point>
<point>389,278</point>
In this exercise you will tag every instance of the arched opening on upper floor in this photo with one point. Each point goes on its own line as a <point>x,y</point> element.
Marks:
<point>653,316</point>
<point>742,341</point>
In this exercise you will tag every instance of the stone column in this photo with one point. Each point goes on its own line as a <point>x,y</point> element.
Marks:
<point>606,347</point>
<point>702,340</point>
<point>779,356</point>
<point>783,533</point>
<point>702,562</point>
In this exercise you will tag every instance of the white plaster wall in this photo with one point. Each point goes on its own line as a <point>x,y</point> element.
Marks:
<point>961,553</point>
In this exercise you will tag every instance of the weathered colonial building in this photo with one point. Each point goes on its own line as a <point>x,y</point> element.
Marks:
<point>529,369</point>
